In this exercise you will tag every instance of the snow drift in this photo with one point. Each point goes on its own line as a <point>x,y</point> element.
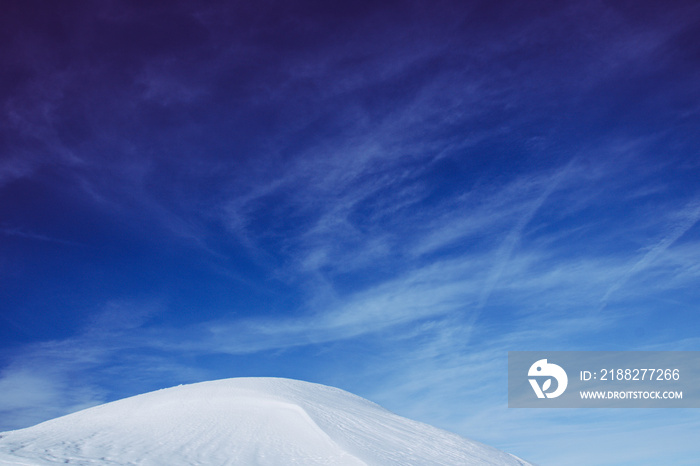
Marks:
<point>245,421</point>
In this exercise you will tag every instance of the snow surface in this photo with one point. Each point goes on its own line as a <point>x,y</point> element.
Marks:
<point>244,421</point>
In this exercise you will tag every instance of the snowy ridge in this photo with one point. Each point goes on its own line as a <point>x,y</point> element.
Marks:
<point>245,421</point>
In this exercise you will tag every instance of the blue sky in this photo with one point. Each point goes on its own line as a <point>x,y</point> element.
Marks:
<point>386,197</point>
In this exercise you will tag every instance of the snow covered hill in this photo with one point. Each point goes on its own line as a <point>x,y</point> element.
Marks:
<point>245,421</point>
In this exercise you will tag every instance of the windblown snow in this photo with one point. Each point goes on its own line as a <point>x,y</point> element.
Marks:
<point>244,421</point>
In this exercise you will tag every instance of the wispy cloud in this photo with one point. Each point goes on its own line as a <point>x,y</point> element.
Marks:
<point>686,219</point>
<point>52,378</point>
<point>23,233</point>
<point>505,250</point>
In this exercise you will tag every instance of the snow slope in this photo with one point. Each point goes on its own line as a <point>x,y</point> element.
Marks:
<point>245,421</point>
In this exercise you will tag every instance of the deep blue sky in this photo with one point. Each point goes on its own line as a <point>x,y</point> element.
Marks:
<point>386,197</point>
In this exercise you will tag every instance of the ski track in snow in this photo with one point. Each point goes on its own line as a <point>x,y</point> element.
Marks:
<point>245,421</point>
